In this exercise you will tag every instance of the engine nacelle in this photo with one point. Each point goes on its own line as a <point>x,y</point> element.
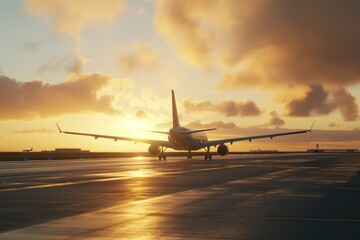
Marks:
<point>222,150</point>
<point>154,150</point>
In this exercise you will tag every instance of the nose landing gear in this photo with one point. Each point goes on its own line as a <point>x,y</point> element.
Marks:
<point>162,154</point>
<point>207,154</point>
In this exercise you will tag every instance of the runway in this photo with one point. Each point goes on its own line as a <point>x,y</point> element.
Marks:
<point>270,196</point>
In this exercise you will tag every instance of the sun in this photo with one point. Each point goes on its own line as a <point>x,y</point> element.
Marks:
<point>138,127</point>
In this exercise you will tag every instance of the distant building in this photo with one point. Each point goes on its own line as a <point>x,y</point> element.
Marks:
<point>332,150</point>
<point>264,151</point>
<point>67,150</point>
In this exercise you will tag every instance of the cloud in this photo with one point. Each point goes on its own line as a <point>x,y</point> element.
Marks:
<point>315,101</point>
<point>233,108</point>
<point>346,104</point>
<point>228,107</point>
<point>148,99</point>
<point>79,93</point>
<point>34,130</point>
<point>33,45</point>
<point>141,115</point>
<point>77,64</point>
<point>164,125</point>
<point>217,124</point>
<point>267,44</point>
<point>57,64</point>
<point>318,101</point>
<point>141,11</point>
<point>333,125</point>
<point>141,57</point>
<point>198,106</point>
<point>276,120</point>
<point>71,17</point>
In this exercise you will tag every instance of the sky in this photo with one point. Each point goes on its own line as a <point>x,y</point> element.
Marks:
<point>245,67</point>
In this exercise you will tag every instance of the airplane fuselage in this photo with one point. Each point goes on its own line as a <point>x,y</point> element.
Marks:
<point>186,141</point>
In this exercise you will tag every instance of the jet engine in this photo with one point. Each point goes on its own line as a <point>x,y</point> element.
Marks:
<point>222,150</point>
<point>154,150</point>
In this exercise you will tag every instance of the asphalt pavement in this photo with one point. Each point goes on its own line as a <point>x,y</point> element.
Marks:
<point>264,196</point>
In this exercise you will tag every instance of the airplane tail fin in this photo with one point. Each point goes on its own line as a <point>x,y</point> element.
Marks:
<point>174,111</point>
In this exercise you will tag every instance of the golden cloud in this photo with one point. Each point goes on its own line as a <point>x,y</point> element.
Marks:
<point>67,63</point>
<point>79,93</point>
<point>228,107</point>
<point>34,130</point>
<point>275,120</point>
<point>141,114</point>
<point>272,45</point>
<point>318,101</point>
<point>218,124</point>
<point>267,44</point>
<point>346,104</point>
<point>140,57</point>
<point>71,17</point>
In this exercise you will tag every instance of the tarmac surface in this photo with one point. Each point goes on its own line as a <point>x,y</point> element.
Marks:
<point>272,196</point>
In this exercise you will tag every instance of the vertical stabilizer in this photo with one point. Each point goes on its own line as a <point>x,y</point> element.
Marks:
<point>174,111</point>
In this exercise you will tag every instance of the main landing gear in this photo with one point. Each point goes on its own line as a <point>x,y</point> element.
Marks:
<point>162,154</point>
<point>189,155</point>
<point>207,154</point>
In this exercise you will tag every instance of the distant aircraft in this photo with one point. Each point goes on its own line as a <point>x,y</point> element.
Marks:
<point>28,150</point>
<point>181,138</point>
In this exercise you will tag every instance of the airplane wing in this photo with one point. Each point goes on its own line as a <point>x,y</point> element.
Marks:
<point>115,138</point>
<point>231,140</point>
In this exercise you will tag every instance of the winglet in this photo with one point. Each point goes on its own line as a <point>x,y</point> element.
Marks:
<point>311,127</point>
<point>58,128</point>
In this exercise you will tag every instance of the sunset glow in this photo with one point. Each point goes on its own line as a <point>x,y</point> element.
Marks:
<point>243,67</point>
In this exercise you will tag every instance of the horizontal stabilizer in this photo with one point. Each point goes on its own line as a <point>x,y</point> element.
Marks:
<point>161,132</point>
<point>201,130</point>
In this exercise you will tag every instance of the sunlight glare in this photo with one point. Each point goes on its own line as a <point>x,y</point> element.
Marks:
<point>138,128</point>
<point>141,173</point>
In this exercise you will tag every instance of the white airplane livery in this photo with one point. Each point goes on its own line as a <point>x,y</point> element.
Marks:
<point>185,139</point>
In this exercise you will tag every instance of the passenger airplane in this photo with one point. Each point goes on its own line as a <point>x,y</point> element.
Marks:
<point>28,150</point>
<point>181,138</point>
